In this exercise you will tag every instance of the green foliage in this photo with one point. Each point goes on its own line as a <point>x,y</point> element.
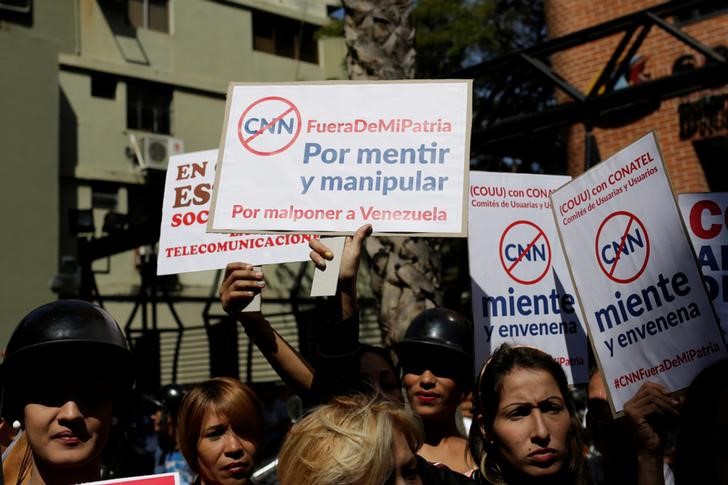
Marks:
<point>448,32</point>
<point>335,28</point>
<point>451,34</point>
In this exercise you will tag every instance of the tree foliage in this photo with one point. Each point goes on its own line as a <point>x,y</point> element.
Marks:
<point>452,34</point>
<point>449,34</point>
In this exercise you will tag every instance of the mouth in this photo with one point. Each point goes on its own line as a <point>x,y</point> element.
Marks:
<point>68,437</point>
<point>237,467</point>
<point>543,456</point>
<point>427,397</point>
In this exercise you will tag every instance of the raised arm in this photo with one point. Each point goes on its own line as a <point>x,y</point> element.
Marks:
<point>350,259</point>
<point>240,285</point>
<point>649,412</point>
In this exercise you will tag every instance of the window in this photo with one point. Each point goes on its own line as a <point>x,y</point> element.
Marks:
<point>148,107</point>
<point>284,36</point>
<point>149,14</point>
<point>20,6</point>
<point>103,85</point>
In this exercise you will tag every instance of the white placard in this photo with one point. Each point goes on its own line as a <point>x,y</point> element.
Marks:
<point>329,157</point>
<point>706,219</point>
<point>522,291</point>
<point>184,245</point>
<point>648,315</point>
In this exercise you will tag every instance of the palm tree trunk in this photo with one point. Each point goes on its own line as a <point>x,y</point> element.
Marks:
<point>379,39</point>
<point>405,271</point>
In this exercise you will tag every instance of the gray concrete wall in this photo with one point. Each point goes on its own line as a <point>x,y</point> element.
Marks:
<point>29,107</point>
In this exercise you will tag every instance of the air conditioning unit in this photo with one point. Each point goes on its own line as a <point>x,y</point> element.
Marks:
<point>155,150</point>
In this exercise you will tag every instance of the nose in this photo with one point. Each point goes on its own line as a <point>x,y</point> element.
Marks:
<point>69,411</point>
<point>233,446</point>
<point>540,433</point>
<point>427,379</point>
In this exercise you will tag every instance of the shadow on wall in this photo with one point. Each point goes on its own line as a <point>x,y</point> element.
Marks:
<point>68,159</point>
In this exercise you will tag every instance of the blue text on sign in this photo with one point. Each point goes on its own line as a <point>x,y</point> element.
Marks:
<point>256,125</point>
<point>534,253</point>
<point>626,249</point>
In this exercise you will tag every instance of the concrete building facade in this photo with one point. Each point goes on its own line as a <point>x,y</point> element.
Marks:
<point>87,86</point>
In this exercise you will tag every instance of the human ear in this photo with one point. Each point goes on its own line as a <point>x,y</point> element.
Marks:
<point>484,432</point>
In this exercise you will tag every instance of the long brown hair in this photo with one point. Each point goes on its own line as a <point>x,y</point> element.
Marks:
<point>486,400</point>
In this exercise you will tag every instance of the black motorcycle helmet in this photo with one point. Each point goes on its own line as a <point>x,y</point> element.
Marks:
<point>69,334</point>
<point>439,339</point>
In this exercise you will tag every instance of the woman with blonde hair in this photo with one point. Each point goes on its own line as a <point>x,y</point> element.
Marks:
<point>354,440</point>
<point>221,431</point>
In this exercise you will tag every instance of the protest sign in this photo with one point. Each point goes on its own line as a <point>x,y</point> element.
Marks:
<point>329,157</point>
<point>184,245</point>
<point>706,220</point>
<point>160,479</point>
<point>644,303</point>
<point>522,291</point>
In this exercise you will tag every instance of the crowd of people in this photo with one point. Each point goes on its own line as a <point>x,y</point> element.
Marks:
<point>67,378</point>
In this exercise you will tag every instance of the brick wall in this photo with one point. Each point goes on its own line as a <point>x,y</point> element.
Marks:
<point>582,65</point>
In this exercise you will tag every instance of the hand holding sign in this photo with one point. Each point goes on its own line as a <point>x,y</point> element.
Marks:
<point>320,253</point>
<point>242,282</point>
<point>350,259</point>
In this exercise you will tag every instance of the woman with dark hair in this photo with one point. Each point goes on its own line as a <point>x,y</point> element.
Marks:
<point>525,428</point>
<point>436,359</point>
<point>221,431</point>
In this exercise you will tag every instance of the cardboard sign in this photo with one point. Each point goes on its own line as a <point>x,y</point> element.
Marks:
<point>161,479</point>
<point>706,220</point>
<point>184,245</point>
<point>644,303</point>
<point>329,157</point>
<point>326,281</point>
<point>522,291</point>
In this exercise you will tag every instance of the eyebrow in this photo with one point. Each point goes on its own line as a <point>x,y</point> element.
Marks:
<point>214,427</point>
<point>528,403</point>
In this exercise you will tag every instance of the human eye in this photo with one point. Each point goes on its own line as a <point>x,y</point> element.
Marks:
<point>519,412</point>
<point>551,407</point>
<point>213,434</point>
